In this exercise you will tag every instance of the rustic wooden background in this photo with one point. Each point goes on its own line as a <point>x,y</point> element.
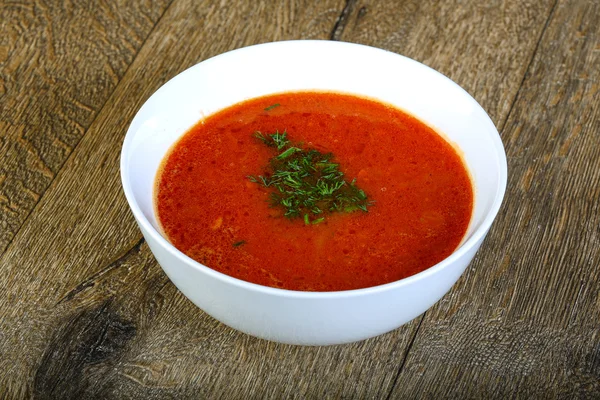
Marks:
<point>86,312</point>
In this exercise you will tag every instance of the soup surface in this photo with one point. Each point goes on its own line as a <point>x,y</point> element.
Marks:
<point>211,208</point>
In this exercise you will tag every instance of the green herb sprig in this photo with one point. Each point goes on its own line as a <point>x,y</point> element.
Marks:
<point>272,106</point>
<point>307,183</point>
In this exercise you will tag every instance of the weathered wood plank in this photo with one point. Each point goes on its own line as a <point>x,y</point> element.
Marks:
<point>483,46</point>
<point>59,62</point>
<point>146,340</point>
<point>524,321</point>
<point>85,297</point>
<point>80,228</point>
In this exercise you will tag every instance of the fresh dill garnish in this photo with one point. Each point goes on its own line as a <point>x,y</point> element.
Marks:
<point>307,183</point>
<point>272,106</point>
<point>238,244</point>
<point>277,139</point>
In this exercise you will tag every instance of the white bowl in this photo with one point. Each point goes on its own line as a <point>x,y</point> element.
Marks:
<point>310,318</point>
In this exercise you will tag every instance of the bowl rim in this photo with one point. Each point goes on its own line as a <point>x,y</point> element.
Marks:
<point>463,248</point>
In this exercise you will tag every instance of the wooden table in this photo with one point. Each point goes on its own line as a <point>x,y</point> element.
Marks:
<point>85,310</point>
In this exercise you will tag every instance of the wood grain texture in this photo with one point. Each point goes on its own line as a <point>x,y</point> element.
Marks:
<point>483,46</point>
<point>59,62</point>
<point>86,299</point>
<point>83,224</point>
<point>524,321</point>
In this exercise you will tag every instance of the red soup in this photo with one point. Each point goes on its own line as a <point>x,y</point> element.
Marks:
<point>391,197</point>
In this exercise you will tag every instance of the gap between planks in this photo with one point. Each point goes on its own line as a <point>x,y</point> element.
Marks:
<point>535,51</point>
<point>403,362</point>
<point>342,20</point>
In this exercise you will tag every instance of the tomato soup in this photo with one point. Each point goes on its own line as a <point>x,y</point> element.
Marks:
<point>211,205</point>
